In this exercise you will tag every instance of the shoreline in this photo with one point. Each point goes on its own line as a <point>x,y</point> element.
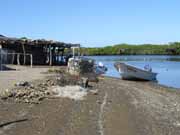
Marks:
<point>149,82</point>
<point>118,107</point>
<point>134,55</point>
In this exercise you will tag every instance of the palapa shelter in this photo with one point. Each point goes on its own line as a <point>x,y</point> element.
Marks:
<point>35,52</point>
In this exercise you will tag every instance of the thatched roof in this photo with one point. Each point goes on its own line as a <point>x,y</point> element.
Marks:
<point>41,42</point>
<point>3,38</point>
<point>2,35</point>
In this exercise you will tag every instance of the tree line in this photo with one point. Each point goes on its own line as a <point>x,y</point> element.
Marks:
<point>130,49</point>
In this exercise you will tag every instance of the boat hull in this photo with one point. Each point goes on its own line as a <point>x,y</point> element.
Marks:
<point>129,72</point>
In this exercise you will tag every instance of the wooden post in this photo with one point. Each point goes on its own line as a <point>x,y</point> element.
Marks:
<point>13,58</point>
<point>24,52</point>
<point>47,55</point>
<point>0,59</point>
<point>73,52</point>
<point>18,62</point>
<point>62,54</point>
<point>53,55</point>
<point>31,60</point>
<point>50,56</point>
<point>79,53</point>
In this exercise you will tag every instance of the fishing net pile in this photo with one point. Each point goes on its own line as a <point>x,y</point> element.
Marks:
<point>80,66</point>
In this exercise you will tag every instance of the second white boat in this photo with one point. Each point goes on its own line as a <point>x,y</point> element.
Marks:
<point>129,72</point>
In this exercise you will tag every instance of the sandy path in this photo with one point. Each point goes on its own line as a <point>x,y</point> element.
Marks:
<point>144,108</point>
<point>101,114</point>
<point>119,108</point>
<point>9,78</point>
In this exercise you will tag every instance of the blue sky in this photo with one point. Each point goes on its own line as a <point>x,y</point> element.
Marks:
<point>92,22</point>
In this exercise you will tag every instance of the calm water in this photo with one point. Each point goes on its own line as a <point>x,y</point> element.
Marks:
<point>167,67</point>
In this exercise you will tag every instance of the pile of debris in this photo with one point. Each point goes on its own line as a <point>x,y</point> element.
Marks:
<point>34,92</point>
<point>26,93</point>
<point>86,66</point>
<point>80,66</point>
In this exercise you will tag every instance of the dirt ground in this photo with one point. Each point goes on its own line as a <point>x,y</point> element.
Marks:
<point>20,73</point>
<point>118,108</point>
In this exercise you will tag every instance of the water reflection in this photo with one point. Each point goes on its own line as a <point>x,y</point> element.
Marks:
<point>138,58</point>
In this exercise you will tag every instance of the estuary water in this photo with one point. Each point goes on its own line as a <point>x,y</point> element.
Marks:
<point>167,67</point>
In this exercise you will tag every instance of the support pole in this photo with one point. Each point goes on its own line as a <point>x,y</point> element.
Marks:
<point>13,58</point>
<point>53,55</point>
<point>73,52</point>
<point>0,60</point>
<point>79,53</point>
<point>50,56</point>
<point>24,52</point>
<point>18,62</point>
<point>62,54</point>
<point>31,60</point>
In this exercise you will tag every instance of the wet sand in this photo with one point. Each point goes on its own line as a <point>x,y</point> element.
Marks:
<point>119,108</point>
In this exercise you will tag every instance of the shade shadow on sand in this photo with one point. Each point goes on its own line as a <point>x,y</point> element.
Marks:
<point>5,68</point>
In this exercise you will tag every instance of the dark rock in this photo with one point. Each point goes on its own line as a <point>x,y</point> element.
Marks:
<point>23,83</point>
<point>4,97</point>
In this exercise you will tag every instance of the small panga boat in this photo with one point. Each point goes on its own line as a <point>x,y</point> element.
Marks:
<point>100,69</point>
<point>129,72</point>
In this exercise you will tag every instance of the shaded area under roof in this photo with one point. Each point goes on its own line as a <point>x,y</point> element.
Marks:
<point>24,51</point>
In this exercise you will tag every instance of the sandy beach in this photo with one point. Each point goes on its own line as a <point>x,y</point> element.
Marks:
<point>20,73</point>
<point>117,107</point>
<point>90,67</point>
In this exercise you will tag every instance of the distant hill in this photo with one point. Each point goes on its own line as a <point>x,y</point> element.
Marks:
<point>130,49</point>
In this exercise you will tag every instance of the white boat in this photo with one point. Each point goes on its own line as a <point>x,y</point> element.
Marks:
<point>130,72</point>
<point>82,65</point>
<point>100,69</point>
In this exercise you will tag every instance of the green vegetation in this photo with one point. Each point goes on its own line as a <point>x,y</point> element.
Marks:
<point>126,49</point>
<point>24,38</point>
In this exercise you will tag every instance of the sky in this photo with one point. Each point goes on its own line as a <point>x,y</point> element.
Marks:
<point>92,23</point>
